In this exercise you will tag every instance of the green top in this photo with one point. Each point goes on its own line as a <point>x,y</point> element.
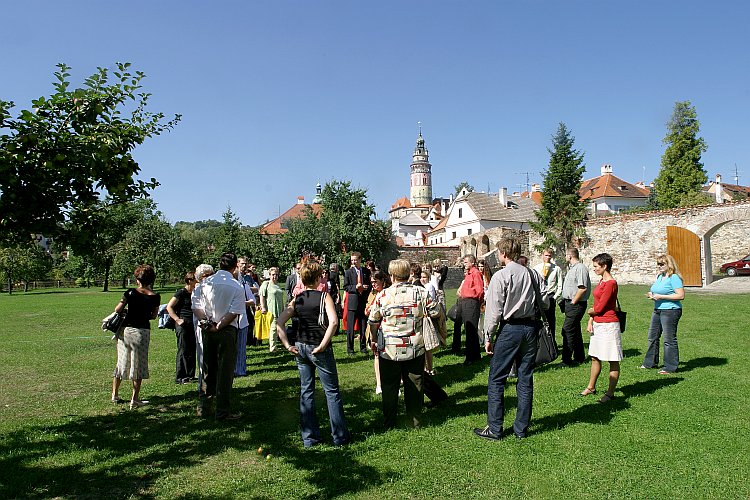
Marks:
<point>275,297</point>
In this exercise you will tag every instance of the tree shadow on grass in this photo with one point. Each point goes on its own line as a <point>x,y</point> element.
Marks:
<point>125,453</point>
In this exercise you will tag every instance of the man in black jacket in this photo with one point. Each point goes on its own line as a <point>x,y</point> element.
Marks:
<point>357,288</point>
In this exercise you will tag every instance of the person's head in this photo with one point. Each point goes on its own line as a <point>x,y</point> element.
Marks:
<point>480,265</point>
<point>310,273</point>
<point>399,270</point>
<point>424,277</point>
<point>469,261</point>
<point>427,267</point>
<point>355,258</point>
<point>436,264</point>
<point>203,271</point>
<point>251,267</point>
<point>334,267</point>
<point>415,270</point>
<point>602,263</point>
<point>370,265</point>
<point>273,273</point>
<point>228,262</point>
<point>667,265</point>
<point>547,255</point>
<point>571,254</point>
<point>509,248</point>
<point>523,260</point>
<point>297,267</point>
<point>145,275</point>
<point>242,264</point>
<point>379,280</point>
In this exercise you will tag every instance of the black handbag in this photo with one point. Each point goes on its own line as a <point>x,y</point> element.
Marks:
<point>454,312</point>
<point>622,317</point>
<point>546,347</point>
<point>114,322</point>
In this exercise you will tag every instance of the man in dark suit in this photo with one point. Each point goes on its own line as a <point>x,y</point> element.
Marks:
<point>291,282</point>
<point>357,288</point>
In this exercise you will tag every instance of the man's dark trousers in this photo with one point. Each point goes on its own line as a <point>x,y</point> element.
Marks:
<point>391,375</point>
<point>219,359</point>
<point>572,351</point>
<point>351,316</point>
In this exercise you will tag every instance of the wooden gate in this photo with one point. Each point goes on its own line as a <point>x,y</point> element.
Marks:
<point>685,247</point>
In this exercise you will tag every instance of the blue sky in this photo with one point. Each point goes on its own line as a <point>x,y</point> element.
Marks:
<point>279,95</point>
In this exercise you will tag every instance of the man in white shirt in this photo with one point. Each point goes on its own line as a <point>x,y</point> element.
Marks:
<point>222,301</point>
<point>552,278</point>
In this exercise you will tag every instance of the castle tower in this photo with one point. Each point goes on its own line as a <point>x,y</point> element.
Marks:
<point>420,192</point>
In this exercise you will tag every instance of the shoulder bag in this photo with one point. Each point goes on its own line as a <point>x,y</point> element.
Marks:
<point>546,347</point>
<point>622,316</point>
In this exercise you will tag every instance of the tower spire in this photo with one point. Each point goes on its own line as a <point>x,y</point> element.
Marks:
<point>421,173</point>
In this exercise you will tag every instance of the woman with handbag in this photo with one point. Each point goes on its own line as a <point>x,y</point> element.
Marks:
<point>132,347</point>
<point>272,301</point>
<point>604,327</point>
<point>313,351</point>
<point>399,311</point>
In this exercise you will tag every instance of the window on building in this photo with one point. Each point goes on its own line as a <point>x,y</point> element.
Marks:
<point>460,212</point>
<point>454,235</point>
<point>469,232</point>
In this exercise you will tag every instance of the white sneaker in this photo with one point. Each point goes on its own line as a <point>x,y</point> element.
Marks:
<point>378,390</point>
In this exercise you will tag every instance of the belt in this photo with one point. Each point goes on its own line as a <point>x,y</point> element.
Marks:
<point>519,321</point>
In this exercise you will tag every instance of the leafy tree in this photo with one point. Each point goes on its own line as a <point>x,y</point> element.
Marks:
<point>57,160</point>
<point>228,237</point>
<point>460,186</point>
<point>682,173</point>
<point>24,262</point>
<point>560,216</point>
<point>95,236</point>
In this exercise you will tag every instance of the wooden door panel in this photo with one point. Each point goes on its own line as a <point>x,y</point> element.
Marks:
<point>685,247</point>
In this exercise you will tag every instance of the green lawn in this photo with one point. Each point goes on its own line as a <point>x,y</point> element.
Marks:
<point>679,436</point>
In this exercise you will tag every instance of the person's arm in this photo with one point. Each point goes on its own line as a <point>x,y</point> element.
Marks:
<point>121,305</point>
<point>172,314</point>
<point>679,291</point>
<point>281,331</point>
<point>350,286</point>
<point>333,322</point>
<point>559,283</point>
<point>475,286</point>
<point>493,311</point>
<point>579,293</point>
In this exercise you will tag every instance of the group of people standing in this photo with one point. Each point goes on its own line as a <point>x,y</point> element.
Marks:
<point>517,297</point>
<point>398,306</point>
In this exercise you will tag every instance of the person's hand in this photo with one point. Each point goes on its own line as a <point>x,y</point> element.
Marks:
<point>321,347</point>
<point>590,311</point>
<point>590,326</point>
<point>374,347</point>
<point>293,349</point>
<point>488,348</point>
<point>179,322</point>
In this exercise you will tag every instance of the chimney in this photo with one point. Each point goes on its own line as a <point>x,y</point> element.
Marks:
<point>300,200</point>
<point>535,188</point>
<point>719,189</point>
<point>606,169</point>
<point>502,195</point>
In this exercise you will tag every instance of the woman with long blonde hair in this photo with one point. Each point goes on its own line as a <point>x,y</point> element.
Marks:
<point>667,292</point>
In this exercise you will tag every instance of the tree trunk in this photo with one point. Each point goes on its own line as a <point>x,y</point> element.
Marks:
<point>25,286</point>
<point>10,284</point>
<point>107,265</point>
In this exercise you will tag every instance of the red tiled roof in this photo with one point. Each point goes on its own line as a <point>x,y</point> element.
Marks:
<point>402,202</point>
<point>536,196</point>
<point>276,226</point>
<point>608,185</point>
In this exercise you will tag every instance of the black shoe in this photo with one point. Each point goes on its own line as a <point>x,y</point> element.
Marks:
<point>486,433</point>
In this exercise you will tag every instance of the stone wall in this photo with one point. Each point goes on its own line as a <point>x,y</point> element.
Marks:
<point>635,240</point>
<point>448,255</point>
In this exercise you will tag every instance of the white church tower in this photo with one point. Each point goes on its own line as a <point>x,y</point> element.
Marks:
<point>420,192</point>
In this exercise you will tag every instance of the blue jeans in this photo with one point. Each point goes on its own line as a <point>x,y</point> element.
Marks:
<point>516,342</point>
<point>663,322</point>
<point>324,361</point>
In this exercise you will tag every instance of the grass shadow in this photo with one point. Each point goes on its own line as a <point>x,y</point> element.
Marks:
<point>702,363</point>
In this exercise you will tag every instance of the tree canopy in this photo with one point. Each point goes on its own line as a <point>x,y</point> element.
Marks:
<point>560,216</point>
<point>61,158</point>
<point>682,173</point>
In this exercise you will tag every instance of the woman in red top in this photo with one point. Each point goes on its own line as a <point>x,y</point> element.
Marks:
<point>604,327</point>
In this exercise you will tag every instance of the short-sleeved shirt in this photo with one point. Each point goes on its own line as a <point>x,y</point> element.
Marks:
<point>578,276</point>
<point>275,297</point>
<point>400,309</point>
<point>220,294</point>
<point>184,306</point>
<point>667,285</point>
<point>140,308</point>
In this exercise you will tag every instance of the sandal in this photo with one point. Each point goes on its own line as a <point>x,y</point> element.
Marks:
<point>117,401</point>
<point>606,398</point>
<point>665,372</point>
<point>588,392</point>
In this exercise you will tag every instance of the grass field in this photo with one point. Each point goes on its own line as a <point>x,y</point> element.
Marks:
<point>679,436</point>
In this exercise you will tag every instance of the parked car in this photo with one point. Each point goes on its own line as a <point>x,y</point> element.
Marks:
<point>741,266</point>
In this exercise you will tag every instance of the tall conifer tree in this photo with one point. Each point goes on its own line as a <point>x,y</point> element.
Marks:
<point>682,173</point>
<point>560,216</point>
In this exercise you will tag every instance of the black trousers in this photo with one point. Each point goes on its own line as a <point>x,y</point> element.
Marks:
<point>572,351</point>
<point>470,311</point>
<point>391,375</point>
<point>351,316</point>
<point>219,360</point>
<point>185,334</point>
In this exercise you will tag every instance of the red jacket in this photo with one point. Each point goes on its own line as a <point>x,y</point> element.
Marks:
<point>473,285</point>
